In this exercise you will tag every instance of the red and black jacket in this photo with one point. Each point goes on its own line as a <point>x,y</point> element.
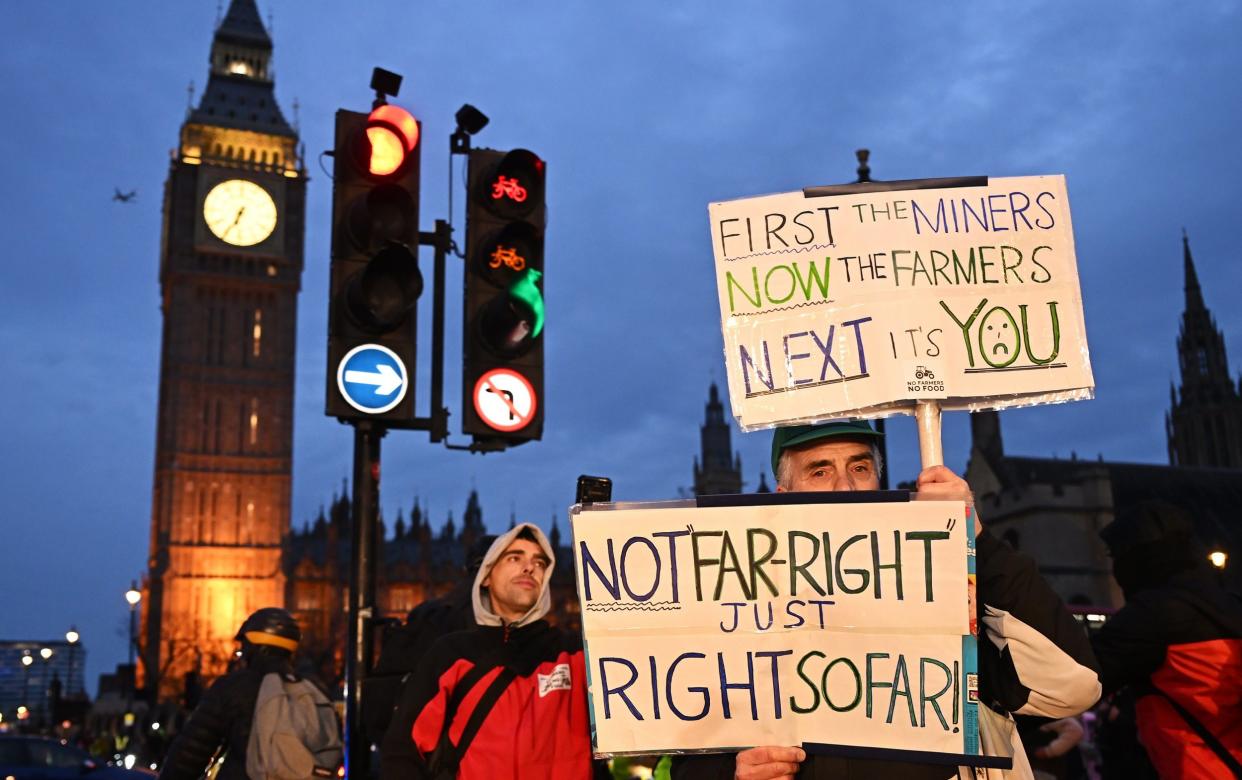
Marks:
<point>1184,638</point>
<point>539,727</point>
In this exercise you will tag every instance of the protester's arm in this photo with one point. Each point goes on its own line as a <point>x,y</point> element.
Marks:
<point>1034,658</point>
<point>203,734</point>
<point>939,483</point>
<point>1069,732</point>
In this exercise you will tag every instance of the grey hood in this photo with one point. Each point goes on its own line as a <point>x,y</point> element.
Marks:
<point>483,614</point>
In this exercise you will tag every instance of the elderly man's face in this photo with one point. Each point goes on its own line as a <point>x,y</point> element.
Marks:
<point>830,465</point>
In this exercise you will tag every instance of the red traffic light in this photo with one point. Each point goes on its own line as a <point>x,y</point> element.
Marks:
<point>392,133</point>
<point>513,187</point>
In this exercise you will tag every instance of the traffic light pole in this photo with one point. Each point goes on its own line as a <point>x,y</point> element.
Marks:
<point>441,239</point>
<point>365,523</point>
<point>365,519</point>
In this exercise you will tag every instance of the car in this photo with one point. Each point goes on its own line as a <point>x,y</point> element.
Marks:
<point>42,758</point>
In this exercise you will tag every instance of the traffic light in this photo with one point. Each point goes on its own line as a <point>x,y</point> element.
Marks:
<point>375,280</point>
<point>502,377</point>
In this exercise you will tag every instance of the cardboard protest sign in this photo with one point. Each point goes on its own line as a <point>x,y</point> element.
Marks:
<point>835,625</point>
<point>859,305</point>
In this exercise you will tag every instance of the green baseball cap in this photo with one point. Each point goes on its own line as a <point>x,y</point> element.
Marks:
<point>792,436</point>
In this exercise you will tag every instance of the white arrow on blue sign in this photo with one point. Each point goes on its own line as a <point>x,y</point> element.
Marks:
<point>372,379</point>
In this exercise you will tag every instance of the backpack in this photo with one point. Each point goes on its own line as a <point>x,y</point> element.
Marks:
<point>403,647</point>
<point>295,734</point>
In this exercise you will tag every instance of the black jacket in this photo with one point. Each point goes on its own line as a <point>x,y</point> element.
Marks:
<point>1022,623</point>
<point>402,652</point>
<point>221,720</point>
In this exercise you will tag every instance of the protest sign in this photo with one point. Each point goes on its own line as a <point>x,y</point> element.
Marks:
<point>837,625</point>
<point>861,304</point>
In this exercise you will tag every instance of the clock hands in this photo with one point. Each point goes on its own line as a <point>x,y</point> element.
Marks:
<point>239,212</point>
<point>236,220</point>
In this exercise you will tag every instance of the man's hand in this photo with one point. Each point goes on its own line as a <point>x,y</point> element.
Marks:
<point>769,763</point>
<point>939,483</point>
<point>1068,734</point>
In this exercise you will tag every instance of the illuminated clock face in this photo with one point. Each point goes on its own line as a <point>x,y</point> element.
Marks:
<point>240,212</point>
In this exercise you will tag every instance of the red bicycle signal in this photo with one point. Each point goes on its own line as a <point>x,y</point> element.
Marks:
<point>511,188</point>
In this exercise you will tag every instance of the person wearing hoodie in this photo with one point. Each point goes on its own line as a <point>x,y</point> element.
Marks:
<point>537,724</point>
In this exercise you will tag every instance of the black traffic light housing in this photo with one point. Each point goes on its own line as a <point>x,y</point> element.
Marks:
<point>375,279</point>
<point>502,335</point>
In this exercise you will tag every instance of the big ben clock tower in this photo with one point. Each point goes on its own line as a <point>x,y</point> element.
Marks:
<point>230,272</point>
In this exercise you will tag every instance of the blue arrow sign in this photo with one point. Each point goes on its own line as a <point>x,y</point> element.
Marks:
<point>372,379</point>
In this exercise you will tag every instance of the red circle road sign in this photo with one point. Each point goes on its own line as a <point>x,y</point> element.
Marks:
<point>505,400</point>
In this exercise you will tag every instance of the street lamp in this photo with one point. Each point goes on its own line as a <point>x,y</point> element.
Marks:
<point>46,654</point>
<point>27,660</point>
<point>1218,558</point>
<point>133,596</point>
<point>72,636</point>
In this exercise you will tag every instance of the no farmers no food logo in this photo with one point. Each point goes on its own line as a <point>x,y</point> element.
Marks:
<point>505,400</point>
<point>925,379</point>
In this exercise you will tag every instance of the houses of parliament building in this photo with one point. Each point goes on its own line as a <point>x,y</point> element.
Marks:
<point>222,543</point>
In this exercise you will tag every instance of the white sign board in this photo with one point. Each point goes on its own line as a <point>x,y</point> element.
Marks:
<point>859,305</point>
<point>827,625</point>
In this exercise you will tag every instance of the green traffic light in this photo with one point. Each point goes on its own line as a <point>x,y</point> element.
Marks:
<point>525,290</point>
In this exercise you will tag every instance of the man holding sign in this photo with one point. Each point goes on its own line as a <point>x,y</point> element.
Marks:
<point>1034,659</point>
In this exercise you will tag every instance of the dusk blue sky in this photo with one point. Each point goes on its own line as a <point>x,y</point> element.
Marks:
<point>645,113</point>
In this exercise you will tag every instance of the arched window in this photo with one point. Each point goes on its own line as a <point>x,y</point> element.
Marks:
<point>254,421</point>
<point>256,333</point>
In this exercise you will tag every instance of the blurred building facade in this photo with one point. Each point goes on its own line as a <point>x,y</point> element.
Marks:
<point>54,674</point>
<point>1053,509</point>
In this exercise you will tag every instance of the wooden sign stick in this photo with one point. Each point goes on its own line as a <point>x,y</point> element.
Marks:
<point>931,449</point>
